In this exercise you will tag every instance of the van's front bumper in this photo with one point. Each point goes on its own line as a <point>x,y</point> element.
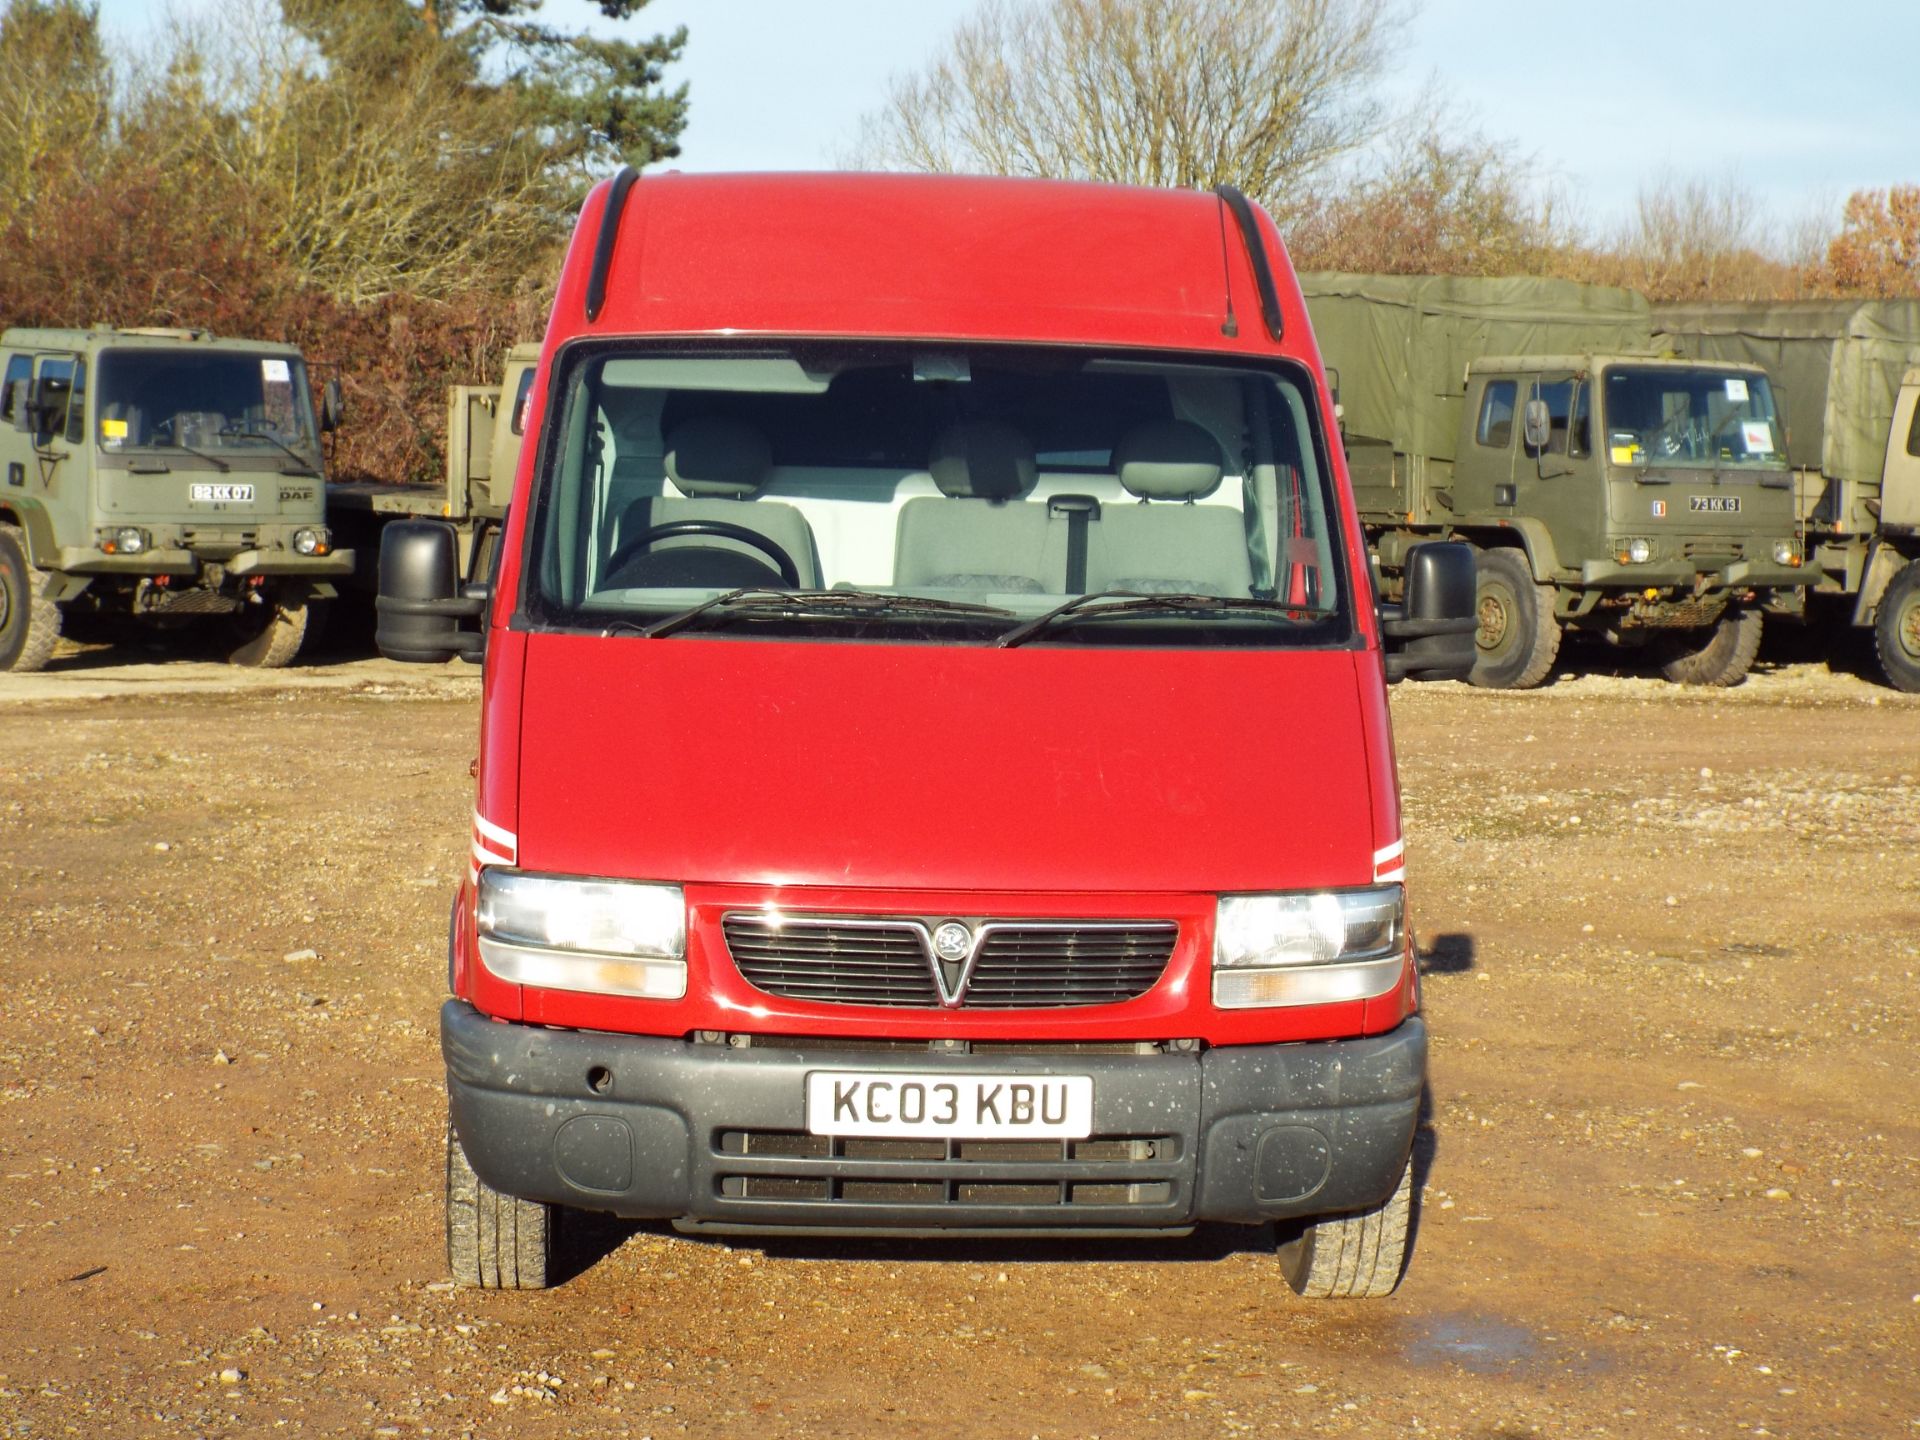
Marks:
<point>714,1136</point>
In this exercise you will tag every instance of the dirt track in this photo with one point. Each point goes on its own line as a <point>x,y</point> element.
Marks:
<point>1672,1178</point>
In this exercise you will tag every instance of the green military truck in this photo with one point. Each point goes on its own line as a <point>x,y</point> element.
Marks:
<point>1847,380</point>
<point>1609,489</point>
<point>484,427</point>
<point>161,476</point>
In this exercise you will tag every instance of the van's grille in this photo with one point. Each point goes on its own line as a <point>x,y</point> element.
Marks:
<point>1104,1170</point>
<point>1014,964</point>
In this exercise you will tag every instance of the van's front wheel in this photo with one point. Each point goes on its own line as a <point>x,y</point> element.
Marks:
<point>1353,1257</point>
<point>494,1241</point>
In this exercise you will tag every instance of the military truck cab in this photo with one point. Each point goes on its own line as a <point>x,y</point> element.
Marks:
<point>1892,584</point>
<point>1637,497</point>
<point>160,476</point>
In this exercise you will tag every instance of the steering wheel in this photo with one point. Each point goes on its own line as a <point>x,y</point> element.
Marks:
<point>721,529</point>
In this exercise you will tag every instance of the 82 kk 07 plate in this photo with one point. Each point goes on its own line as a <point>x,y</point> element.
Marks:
<point>939,1106</point>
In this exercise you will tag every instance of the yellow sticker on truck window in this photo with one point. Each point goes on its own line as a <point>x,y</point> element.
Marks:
<point>113,429</point>
<point>1623,454</point>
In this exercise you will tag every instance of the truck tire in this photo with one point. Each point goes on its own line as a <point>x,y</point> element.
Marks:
<point>1518,637</point>
<point>1353,1257</point>
<point>1720,656</point>
<point>29,623</point>
<point>270,634</point>
<point>494,1241</point>
<point>1896,630</point>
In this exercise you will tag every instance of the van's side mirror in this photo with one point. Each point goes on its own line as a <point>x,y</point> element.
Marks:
<point>1430,633</point>
<point>331,403</point>
<point>421,605</point>
<point>1538,423</point>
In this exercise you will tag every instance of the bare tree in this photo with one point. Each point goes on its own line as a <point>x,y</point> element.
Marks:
<point>1262,94</point>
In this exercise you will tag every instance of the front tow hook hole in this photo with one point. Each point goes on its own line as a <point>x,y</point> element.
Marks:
<point>599,1079</point>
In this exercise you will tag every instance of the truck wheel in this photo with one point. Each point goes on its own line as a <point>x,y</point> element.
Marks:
<point>270,634</point>
<point>1518,637</point>
<point>1721,657</point>
<point>29,623</point>
<point>494,1241</point>
<point>1896,630</point>
<point>1353,1257</point>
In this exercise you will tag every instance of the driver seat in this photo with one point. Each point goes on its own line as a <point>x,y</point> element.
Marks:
<point>720,465</point>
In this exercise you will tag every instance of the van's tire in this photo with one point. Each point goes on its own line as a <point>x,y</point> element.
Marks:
<point>1517,638</point>
<point>29,622</point>
<point>1720,656</point>
<point>1353,1257</point>
<point>270,634</point>
<point>494,1241</point>
<point>1896,630</point>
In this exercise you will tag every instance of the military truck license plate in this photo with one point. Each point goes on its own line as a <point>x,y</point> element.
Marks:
<point>967,1107</point>
<point>1714,504</point>
<point>220,493</point>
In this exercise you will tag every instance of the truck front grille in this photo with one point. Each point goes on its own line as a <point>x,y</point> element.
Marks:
<point>789,1167</point>
<point>1010,964</point>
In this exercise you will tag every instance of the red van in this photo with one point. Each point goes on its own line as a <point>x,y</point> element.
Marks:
<point>935,772</point>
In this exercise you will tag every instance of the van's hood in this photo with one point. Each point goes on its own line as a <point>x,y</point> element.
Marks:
<point>1043,768</point>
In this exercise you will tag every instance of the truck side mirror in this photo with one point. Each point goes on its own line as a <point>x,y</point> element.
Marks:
<point>1430,633</point>
<point>1538,424</point>
<point>331,402</point>
<point>420,605</point>
<point>29,413</point>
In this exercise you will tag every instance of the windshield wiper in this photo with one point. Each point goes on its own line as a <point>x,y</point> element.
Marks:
<point>864,602</point>
<point>222,466</point>
<point>1120,602</point>
<point>306,465</point>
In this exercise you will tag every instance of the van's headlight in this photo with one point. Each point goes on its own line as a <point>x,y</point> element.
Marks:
<point>1312,949</point>
<point>608,937</point>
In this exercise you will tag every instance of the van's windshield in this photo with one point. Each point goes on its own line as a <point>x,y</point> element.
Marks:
<point>876,491</point>
<point>1691,416</point>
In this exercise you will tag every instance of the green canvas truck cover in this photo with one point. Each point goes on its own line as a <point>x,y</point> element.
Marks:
<point>1401,343</point>
<point>1836,368</point>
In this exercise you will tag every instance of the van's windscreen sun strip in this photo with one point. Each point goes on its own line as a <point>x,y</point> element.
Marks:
<point>603,245</point>
<point>1243,217</point>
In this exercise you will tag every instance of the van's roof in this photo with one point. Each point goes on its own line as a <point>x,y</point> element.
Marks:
<point>925,256</point>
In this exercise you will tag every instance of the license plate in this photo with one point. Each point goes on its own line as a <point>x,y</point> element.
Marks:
<point>220,493</point>
<point>1714,504</point>
<point>966,1107</point>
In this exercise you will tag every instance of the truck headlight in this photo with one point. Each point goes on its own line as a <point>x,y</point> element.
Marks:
<point>1786,552</point>
<point>127,540</point>
<point>311,541</point>
<point>1309,949</point>
<point>608,937</point>
<point>1636,552</point>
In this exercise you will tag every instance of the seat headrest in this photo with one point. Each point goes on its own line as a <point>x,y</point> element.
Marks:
<point>1168,460</point>
<point>982,459</point>
<point>710,456</point>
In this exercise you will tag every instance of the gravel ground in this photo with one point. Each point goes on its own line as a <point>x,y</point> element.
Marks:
<point>1671,1180</point>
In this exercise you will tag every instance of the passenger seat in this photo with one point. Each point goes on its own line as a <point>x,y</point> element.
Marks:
<point>980,535</point>
<point>1166,543</point>
<point>721,465</point>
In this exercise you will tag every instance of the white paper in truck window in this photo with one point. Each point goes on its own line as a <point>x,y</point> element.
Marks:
<point>275,372</point>
<point>1736,390</point>
<point>1758,437</point>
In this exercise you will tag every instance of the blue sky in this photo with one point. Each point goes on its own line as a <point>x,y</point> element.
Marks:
<point>1799,103</point>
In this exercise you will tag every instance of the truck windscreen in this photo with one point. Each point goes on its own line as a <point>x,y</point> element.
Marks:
<point>1690,416</point>
<point>226,402</point>
<point>957,490</point>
